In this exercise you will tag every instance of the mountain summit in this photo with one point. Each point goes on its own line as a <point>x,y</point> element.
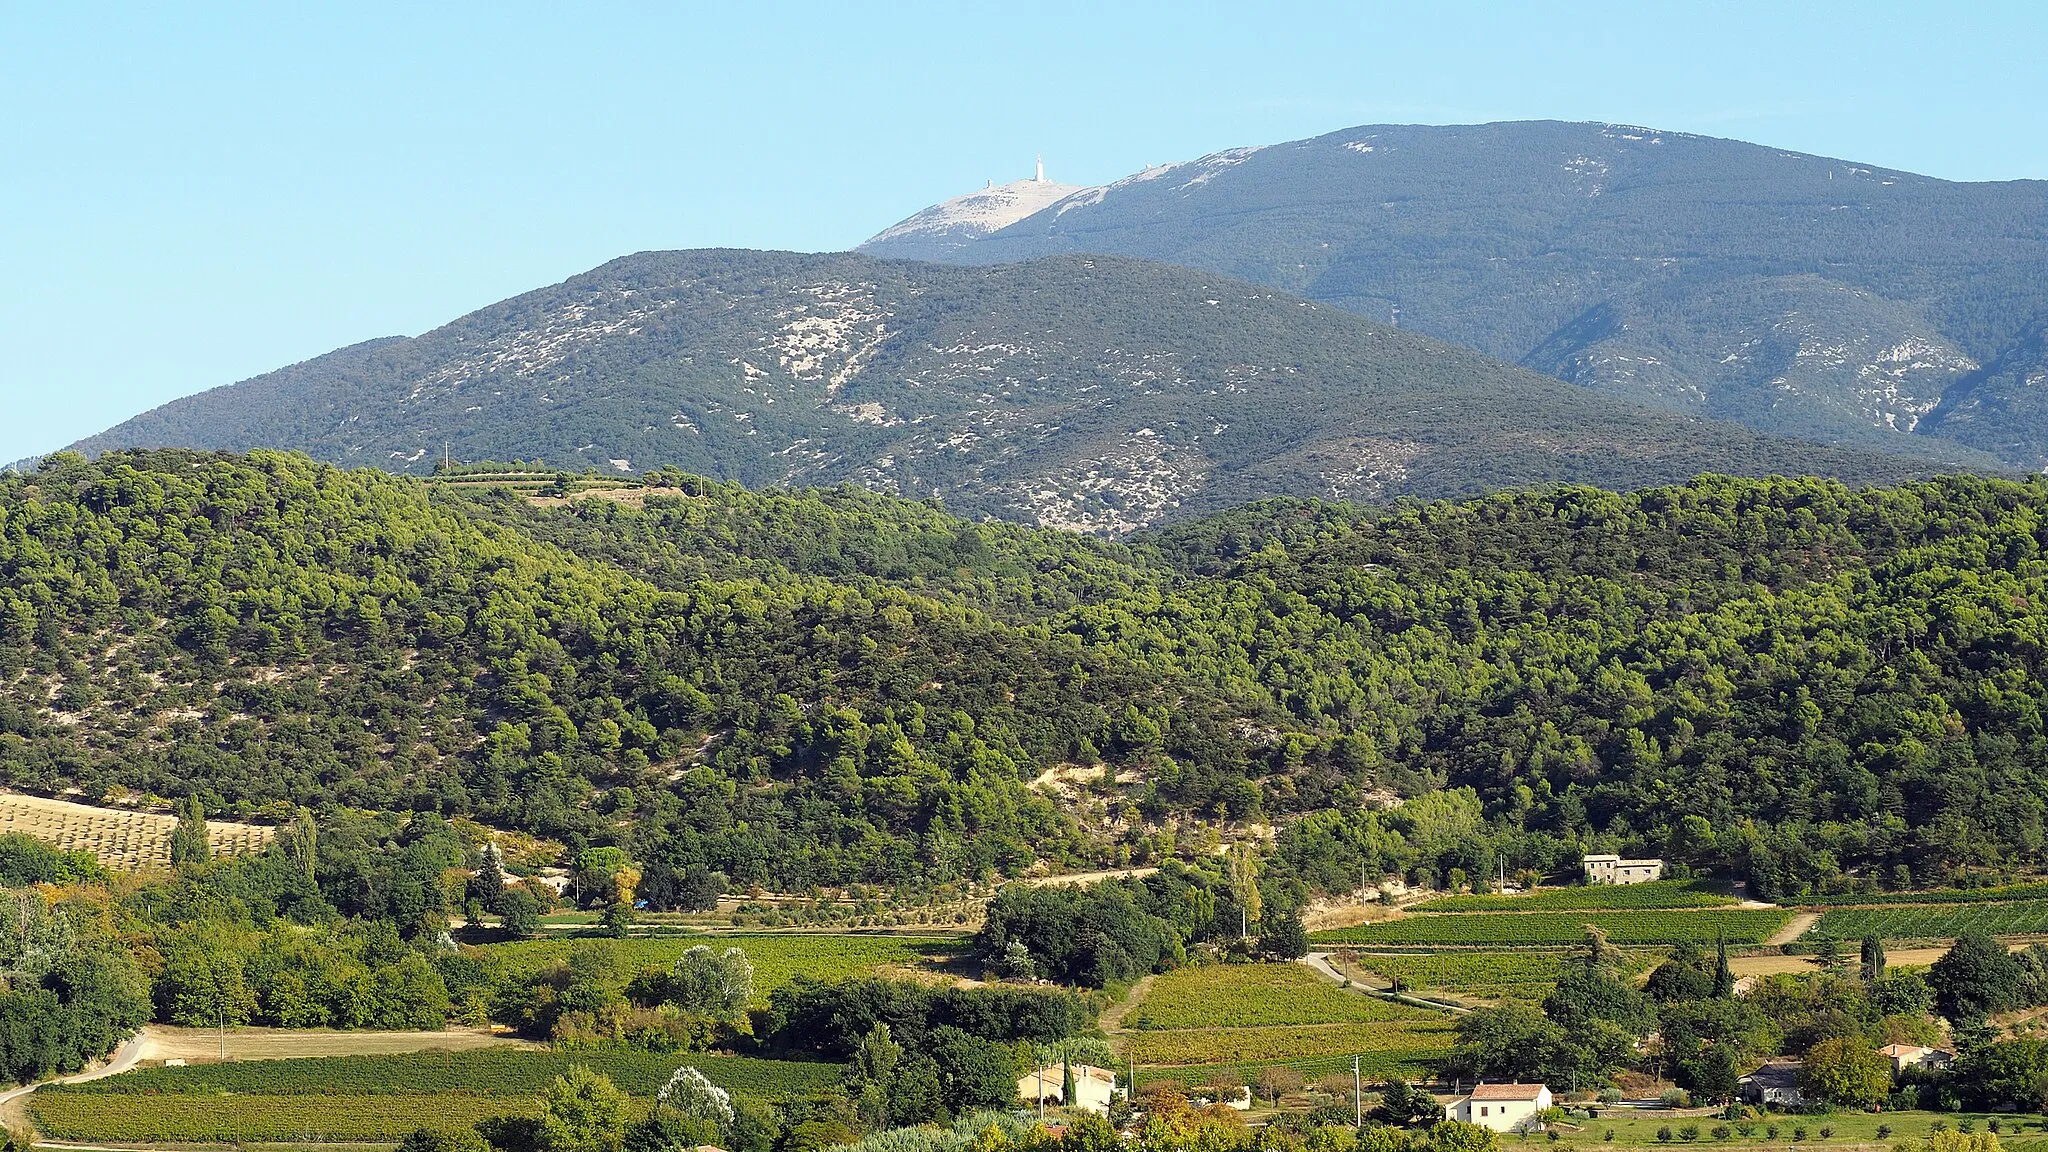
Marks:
<point>1798,294</point>
<point>945,228</point>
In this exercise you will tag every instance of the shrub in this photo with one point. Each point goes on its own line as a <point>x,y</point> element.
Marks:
<point>1884,1131</point>
<point>1689,1132</point>
<point>1674,1098</point>
<point>1664,1134</point>
<point>1771,1132</point>
<point>1610,1095</point>
<point>1826,1133</point>
<point>1798,1133</point>
<point>1721,1132</point>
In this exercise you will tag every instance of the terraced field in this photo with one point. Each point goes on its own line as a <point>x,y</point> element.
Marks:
<point>123,840</point>
<point>1253,996</point>
<point>1934,921</point>
<point>1195,1021</point>
<point>1656,894</point>
<point>778,958</point>
<point>1415,1043</point>
<point>1485,975</point>
<point>1563,929</point>
<point>371,1097</point>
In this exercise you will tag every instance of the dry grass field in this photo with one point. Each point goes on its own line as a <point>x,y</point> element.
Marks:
<point>123,840</point>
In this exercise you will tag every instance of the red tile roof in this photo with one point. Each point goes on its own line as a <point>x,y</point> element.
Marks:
<point>1507,1091</point>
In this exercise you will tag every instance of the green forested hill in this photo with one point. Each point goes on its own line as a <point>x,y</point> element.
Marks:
<point>1796,294</point>
<point>832,686</point>
<point>1100,394</point>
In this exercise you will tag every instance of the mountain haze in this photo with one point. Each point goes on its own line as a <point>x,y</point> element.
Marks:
<point>1095,393</point>
<point>1796,294</point>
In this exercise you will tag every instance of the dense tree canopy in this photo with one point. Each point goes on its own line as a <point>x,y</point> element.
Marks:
<point>1785,679</point>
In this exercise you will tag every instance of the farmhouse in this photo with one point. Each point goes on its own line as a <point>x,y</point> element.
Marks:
<point>1093,1087</point>
<point>1608,869</point>
<point>1775,1083</point>
<point>1904,1056</point>
<point>1501,1107</point>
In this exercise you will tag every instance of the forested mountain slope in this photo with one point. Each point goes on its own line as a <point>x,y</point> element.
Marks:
<point>799,688</point>
<point>1794,293</point>
<point>1094,393</point>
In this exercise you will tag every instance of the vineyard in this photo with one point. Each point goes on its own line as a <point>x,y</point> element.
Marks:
<point>1487,975</point>
<point>122,840</point>
<point>1934,921</point>
<point>777,959</point>
<point>1415,1042</point>
<point>483,1072</point>
<point>1255,995</point>
<point>1619,897</point>
<point>1561,929</point>
<point>1999,894</point>
<point>69,1114</point>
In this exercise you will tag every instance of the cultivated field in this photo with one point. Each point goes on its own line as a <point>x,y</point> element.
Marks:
<point>123,840</point>
<point>1196,1022</point>
<point>1562,929</point>
<point>1414,1045</point>
<point>778,958</point>
<point>1658,894</point>
<point>1484,975</point>
<point>346,1098</point>
<point>1934,921</point>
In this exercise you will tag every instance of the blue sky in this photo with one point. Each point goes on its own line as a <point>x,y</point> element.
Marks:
<point>192,194</point>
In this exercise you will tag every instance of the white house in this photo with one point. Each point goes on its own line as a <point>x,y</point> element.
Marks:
<point>1904,1056</point>
<point>1093,1087</point>
<point>1501,1107</point>
<point>1608,869</point>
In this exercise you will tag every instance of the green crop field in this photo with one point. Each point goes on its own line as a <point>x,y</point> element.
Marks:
<point>1933,921</point>
<point>1408,1042</point>
<point>1619,897</point>
<point>2003,893</point>
<point>67,1114</point>
<point>1253,995</point>
<point>777,958</point>
<point>1492,975</point>
<point>1558,929</point>
<point>372,1097</point>
<point>1373,1067</point>
<point>485,1072</point>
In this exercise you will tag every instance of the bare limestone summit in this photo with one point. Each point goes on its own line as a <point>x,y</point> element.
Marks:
<point>951,225</point>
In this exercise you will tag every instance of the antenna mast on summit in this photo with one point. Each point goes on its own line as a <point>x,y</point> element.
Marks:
<point>1041,167</point>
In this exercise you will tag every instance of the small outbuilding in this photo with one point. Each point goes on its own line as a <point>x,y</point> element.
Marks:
<point>1501,1107</point>
<point>1093,1087</point>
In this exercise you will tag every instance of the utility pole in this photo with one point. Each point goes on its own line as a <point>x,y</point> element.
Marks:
<point>1357,1096</point>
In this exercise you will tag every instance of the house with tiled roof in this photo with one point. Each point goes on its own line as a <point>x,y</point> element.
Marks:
<point>1501,1107</point>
